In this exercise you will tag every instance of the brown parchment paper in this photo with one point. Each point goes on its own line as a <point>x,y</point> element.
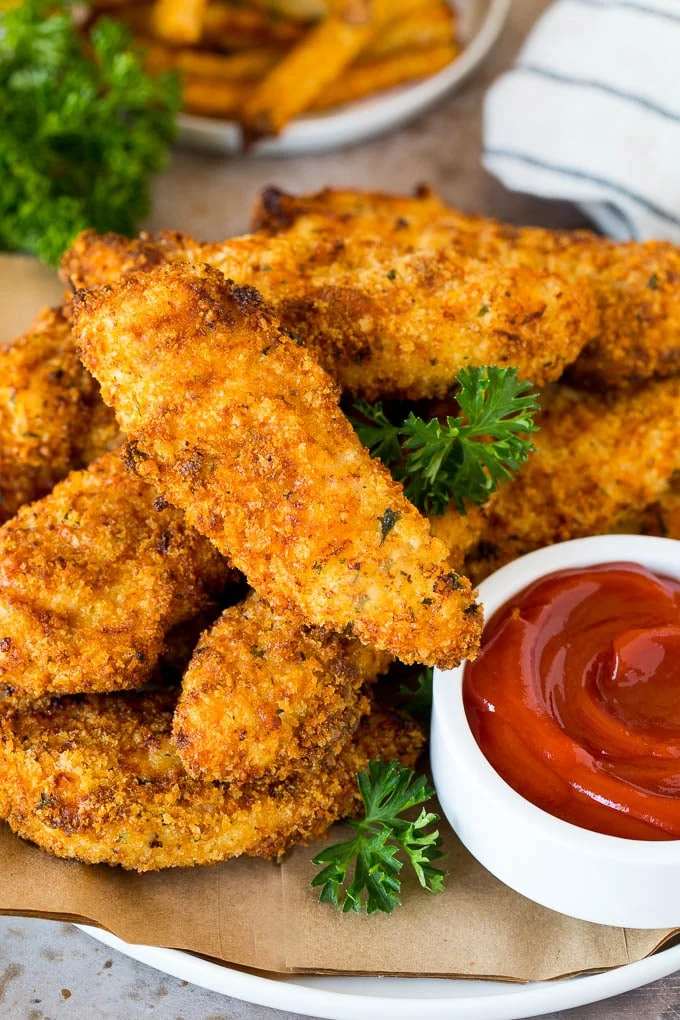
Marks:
<point>263,915</point>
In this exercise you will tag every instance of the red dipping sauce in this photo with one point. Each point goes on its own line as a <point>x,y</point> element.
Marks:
<point>575,698</point>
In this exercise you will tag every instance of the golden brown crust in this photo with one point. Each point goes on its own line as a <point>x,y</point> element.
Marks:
<point>382,315</point>
<point>638,288</point>
<point>96,259</point>
<point>599,462</point>
<point>92,577</point>
<point>52,418</point>
<point>460,533</point>
<point>620,302</point>
<point>96,778</point>
<point>265,696</point>
<point>235,422</point>
<point>635,285</point>
<point>276,211</point>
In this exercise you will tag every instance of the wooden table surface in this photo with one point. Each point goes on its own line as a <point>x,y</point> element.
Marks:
<point>50,971</point>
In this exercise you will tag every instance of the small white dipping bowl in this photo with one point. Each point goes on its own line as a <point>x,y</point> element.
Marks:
<point>628,882</point>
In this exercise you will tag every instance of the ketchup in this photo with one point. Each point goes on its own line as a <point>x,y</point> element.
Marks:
<point>575,698</point>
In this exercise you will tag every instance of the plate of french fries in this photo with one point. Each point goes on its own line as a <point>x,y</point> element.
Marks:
<point>288,77</point>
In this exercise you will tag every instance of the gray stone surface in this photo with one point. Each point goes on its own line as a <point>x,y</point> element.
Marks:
<point>52,971</point>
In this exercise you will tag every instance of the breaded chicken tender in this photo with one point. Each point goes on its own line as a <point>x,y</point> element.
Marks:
<point>460,533</point>
<point>636,285</point>
<point>92,578</point>
<point>96,778</point>
<point>598,463</point>
<point>276,211</point>
<point>235,422</point>
<point>265,696</point>
<point>52,418</point>
<point>382,320</point>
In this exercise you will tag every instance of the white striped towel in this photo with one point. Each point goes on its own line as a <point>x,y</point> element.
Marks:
<point>591,113</point>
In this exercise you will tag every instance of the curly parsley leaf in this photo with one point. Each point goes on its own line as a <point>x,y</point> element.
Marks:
<point>377,433</point>
<point>417,699</point>
<point>466,458</point>
<point>364,872</point>
<point>83,128</point>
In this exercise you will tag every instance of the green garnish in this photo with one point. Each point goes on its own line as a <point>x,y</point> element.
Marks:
<point>364,871</point>
<point>387,522</point>
<point>83,128</point>
<point>417,700</point>
<point>466,459</point>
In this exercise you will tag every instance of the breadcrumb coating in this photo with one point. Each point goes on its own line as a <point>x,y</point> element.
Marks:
<point>235,422</point>
<point>96,778</point>
<point>52,418</point>
<point>619,304</point>
<point>265,696</point>
<point>276,211</point>
<point>635,285</point>
<point>92,578</point>
<point>460,533</point>
<point>384,318</point>
<point>599,462</point>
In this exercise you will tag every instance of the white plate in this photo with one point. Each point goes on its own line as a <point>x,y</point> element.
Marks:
<point>338,998</point>
<point>480,25</point>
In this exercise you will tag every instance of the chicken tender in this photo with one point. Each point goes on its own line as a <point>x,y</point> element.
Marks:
<point>598,463</point>
<point>52,418</point>
<point>460,533</point>
<point>382,321</point>
<point>635,285</point>
<point>92,578</point>
<point>96,778</point>
<point>235,422</point>
<point>276,211</point>
<point>265,696</point>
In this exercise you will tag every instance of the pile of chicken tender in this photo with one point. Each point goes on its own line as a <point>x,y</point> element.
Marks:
<point>198,592</point>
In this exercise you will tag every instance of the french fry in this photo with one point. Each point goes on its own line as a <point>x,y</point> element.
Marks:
<point>178,21</point>
<point>231,27</point>
<point>213,97</point>
<point>295,10</point>
<point>363,79</point>
<point>224,27</point>
<point>387,12</point>
<point>359,47</point>
<point>248,65</point>
<point>303,75</point>
<point>427,28</point>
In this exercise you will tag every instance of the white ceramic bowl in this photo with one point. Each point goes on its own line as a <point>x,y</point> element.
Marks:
<point>627,882</point>
<point>480,22</point>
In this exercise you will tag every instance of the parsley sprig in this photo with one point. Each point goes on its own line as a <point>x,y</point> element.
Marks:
<point>416,699</point>
<point>83,128</point>
<point>468,457</point>
<point>365,870</point>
